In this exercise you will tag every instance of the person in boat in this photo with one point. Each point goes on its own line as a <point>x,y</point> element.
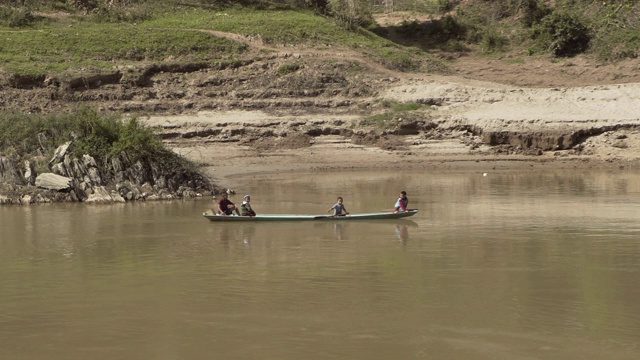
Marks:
<point>338,208</point>
<point>225,206</point>
<point>401,203</point>
<point>245,208</point>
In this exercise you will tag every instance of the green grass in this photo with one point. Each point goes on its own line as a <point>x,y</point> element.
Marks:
<point>289,27</point>
<point>390,118</point>
<point>170,30</point>
<point>515,61</point>
<point>69,44</point>
<point>101,46</point>
<point>101,135</point>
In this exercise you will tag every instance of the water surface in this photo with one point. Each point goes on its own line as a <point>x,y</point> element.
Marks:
<point>505,266</point>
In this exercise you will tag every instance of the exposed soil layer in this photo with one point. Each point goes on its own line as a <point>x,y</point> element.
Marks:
<point>307,109</point>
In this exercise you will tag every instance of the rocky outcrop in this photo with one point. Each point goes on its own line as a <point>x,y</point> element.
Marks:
<point>85,179</point>
<point>9,172</point>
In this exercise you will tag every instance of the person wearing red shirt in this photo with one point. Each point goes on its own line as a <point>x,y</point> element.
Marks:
<point>402,203</point>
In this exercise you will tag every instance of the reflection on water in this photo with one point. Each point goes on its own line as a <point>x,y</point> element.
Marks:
<point>504,266</point>
<point>402,232</point>
<point>247,232</point>
<point>337,229</point>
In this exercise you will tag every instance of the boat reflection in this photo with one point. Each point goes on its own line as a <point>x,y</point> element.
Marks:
<point>245,233</point>
<point>232,233</point>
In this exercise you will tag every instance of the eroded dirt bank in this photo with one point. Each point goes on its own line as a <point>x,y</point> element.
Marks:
<point>310,110</point>
<point>467,125</point>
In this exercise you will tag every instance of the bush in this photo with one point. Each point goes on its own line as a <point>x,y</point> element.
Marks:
<point>400,61</point>
<point>113,14</point>
<point>492,41</point>
<point>437,31</point>
<point>288,69</point>
<point>563,34</point>
<point>397,106</point>
<point>350,14</point>
<point>532,11</point>
<point>95,134</point>
<point>19,17</point>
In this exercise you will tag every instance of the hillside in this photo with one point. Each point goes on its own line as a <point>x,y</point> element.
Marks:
<point>265,104</point>
<point>484,112</point>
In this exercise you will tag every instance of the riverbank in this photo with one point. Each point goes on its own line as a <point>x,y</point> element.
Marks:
<point>475,126</point>
<point>225,164</point>
<point>300,108</point>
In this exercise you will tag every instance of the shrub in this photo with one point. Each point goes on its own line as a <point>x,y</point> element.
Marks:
<point>113,14</point>
<point>492,41</point>
<point>437,31</point>
<point>350,14</point>
<point>563,34</point>
<point>17,17</point>
<point>400,61</point>
<point>397,106</point>
<point>390,118</point>
<point>95,134</point>
<point>288,69</point>
<point>532,11</point>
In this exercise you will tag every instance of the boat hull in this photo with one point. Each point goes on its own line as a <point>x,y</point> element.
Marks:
<point>296,217</point>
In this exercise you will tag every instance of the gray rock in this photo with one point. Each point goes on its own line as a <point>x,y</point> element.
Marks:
<point>53,182</point>
<point>100,196</point>
<point>29,173</point>
<point>59,153</point>
<point>9,172</point>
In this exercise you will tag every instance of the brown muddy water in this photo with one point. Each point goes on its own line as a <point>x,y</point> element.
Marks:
<point>528,265</point>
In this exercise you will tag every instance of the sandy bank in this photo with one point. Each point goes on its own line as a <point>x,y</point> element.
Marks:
<point>612,109</point>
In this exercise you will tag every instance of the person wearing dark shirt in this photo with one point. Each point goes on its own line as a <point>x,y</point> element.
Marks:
<point>225,206</point>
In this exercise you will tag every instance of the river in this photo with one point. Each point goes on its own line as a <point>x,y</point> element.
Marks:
<point>503,265</point>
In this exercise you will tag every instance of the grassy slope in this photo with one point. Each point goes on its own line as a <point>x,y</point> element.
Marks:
<point>69,44</point>
<point>156,34</point>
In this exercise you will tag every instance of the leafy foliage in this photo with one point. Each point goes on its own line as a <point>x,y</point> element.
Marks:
<point>608,29</point>
<point>350,14</point>
<point>439,30</point>
<point>563,33</point>
<point>134,138</point>
<point>392,115</point>
<point>616,30</point>
<point>492,41</point>
<point>288,68</point>
<point>17,17</point>
<point>99,135</point>
<point>397,106</point>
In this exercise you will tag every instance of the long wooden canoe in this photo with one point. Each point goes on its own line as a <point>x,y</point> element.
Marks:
<point>296,217</point>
